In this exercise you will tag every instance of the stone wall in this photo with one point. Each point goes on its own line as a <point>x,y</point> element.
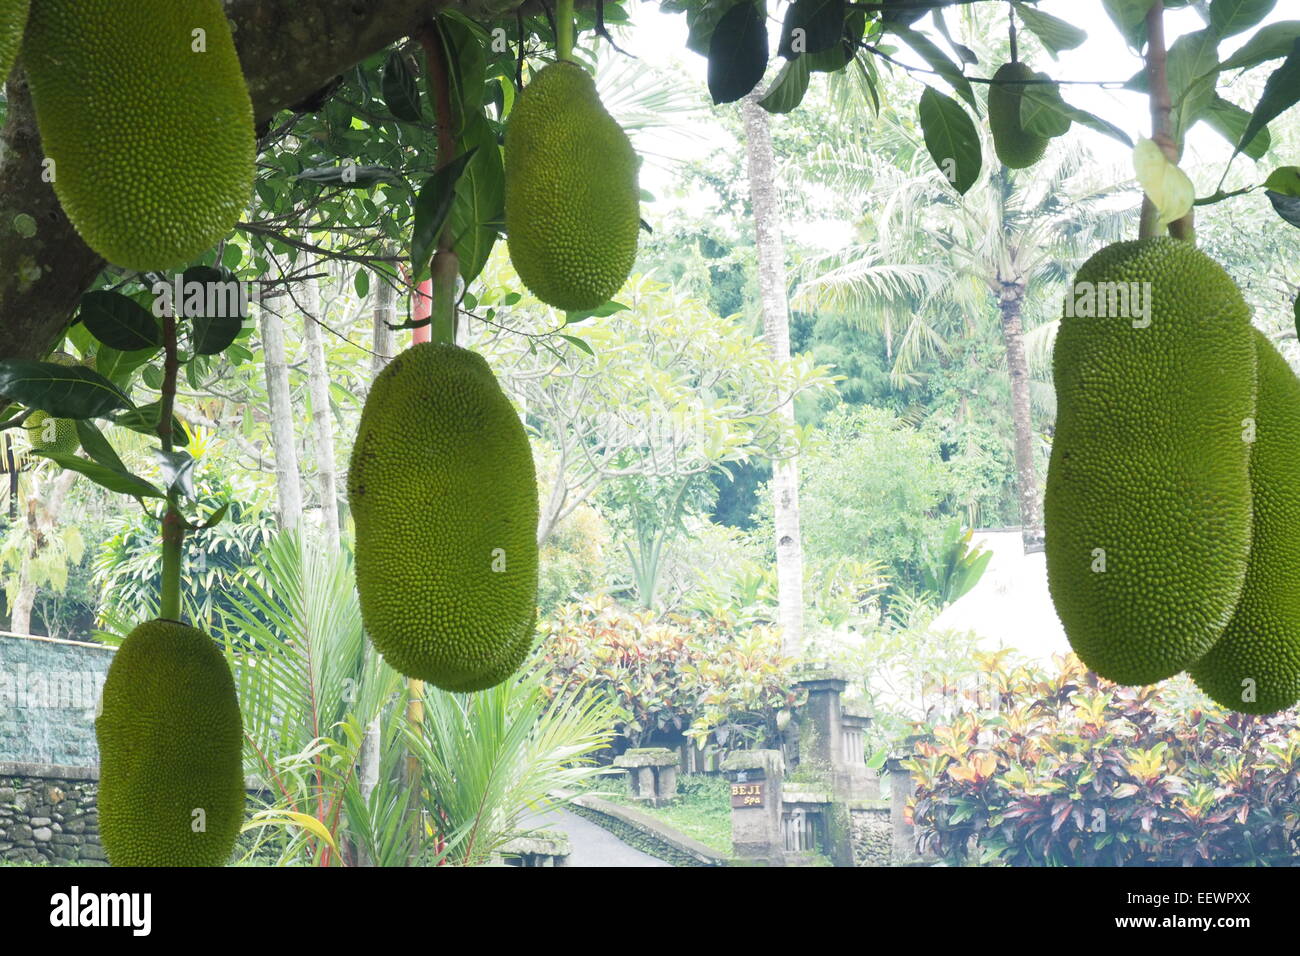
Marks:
<point>49,693</point>
<point>49,820</point>
<point>872,836</point>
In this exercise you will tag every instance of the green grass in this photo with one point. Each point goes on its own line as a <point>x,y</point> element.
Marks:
<point>702,809</point>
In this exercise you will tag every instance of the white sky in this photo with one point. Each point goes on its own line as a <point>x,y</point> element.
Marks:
<point>659,40</point>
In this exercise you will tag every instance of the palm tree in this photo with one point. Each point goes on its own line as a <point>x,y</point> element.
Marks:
<point>931,262</point>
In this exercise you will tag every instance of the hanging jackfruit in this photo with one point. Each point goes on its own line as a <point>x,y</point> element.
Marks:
<point>171,786</point>
<point>1147,503</point>
<point>143,110</point>
<point>1016,147</point>
<point>572,200</point>
<point>1255,666</point>
<point>444,495</point>
<point>13,19</point>
<point>58,435</point>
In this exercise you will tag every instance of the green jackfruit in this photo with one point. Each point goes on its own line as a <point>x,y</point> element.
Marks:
<point>1147,503</point>
<point>171,784</point>
<point>13,20</point>
<point>1016,148</point>
<point>444,494</point>
<point>1255,666</point>
<point>151,137</point>
<point>58,435</point>
<point>572,200</point>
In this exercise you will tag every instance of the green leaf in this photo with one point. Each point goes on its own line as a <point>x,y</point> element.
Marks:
<point>432,207</point>
<point>951,138</point>
<point>1281,92</point>
<point>1056,35</point>
<point>788,89</point>
<point>464,44</point>
<point>64,391</point>
<point>215,518</point>
<point>1230,121</point>
<point>1130,16</point>
<point>1270,43</point>
<point>1193,73</point>
<point>811,26</point>
<point>737,52</point>
<point>835,58</point>
<point>361,282</point>
<point>121,482</point>
<point>120,322</point>
<point>964,53</point>
<point>578,343</point>
<point>600,311</point>
<point>145,421</point>
<point>479,204</point>
<point>97,447</point>
<point>940,63</point>
<point>1045,114</point>
<point>1228,17</point>
<point>214,307</point>
<point>400,92</point>
<point>177,469</point>
<point>1050,96</point>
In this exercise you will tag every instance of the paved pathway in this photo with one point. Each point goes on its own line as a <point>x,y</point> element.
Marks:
<point>592,845</point>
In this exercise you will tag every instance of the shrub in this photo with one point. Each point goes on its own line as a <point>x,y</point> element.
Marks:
<point>1070,769</point>
<point>698,677</point>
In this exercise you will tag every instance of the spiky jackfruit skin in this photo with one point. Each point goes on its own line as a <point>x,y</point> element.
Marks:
<point>170,742</point>
<point>572,200</point>
<point>13,20</point>
<point>1149,472</point>
<point>1261,644</point>
<point>152,142</point>
<point>58,435</point>
<point>444,495</point>
<point>1015,147</point>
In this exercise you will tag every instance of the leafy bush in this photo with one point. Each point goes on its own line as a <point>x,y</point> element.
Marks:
<point>703,678</point>
<point>1070,769</point>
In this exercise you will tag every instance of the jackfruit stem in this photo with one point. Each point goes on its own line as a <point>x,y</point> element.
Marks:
<point>564,29</point>
<point>1161,124</point>
<point>173,525</point>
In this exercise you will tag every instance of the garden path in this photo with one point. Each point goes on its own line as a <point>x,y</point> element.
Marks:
<point>591,845</point>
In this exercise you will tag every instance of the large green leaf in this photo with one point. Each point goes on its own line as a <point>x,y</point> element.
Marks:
<point>401,93</point>
<point>1271,43</point>
<point>432,207</point>
<point>122,482</point>
<point>738,52</point>
<point>1281,92</point>
<point>940,63</point>
<point>1056,34</point>
<point>1230,121</point>
<point>951,138</point>
<point>788,89</point>
<point>119,322</point>
<point>479,205</point>
<point>64,391</point>
<point>1233,16</point>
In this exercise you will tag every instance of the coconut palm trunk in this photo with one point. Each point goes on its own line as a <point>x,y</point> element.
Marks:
<point>1011,297</point>
<point>761,168</point>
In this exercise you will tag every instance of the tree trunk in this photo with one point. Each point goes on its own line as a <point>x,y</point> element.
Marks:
<point>384,346</point>
<point>42,517</point>
<point>283,442</point>
<point>288,50</point>
<point>1013,336</point>
<point>761,167</point>
<point>322,419</point>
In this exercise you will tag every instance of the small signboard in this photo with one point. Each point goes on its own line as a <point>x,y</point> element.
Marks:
<point>747,795</point>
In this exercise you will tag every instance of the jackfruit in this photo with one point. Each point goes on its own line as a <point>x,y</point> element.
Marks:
<point>171,785</point>
<point>1147,503</point>
<point>444,495</point>
<point>143,109</point>
<point>572,200</point>
<point>13,19</point>
<point>1016,148</point>
<point>1255,666</point>
<point>58,435</point>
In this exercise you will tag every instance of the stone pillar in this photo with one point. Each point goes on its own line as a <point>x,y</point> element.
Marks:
<point>901,788</point>
<point>756,804</point>
<point>821,745</point>
<point>652,773</point>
